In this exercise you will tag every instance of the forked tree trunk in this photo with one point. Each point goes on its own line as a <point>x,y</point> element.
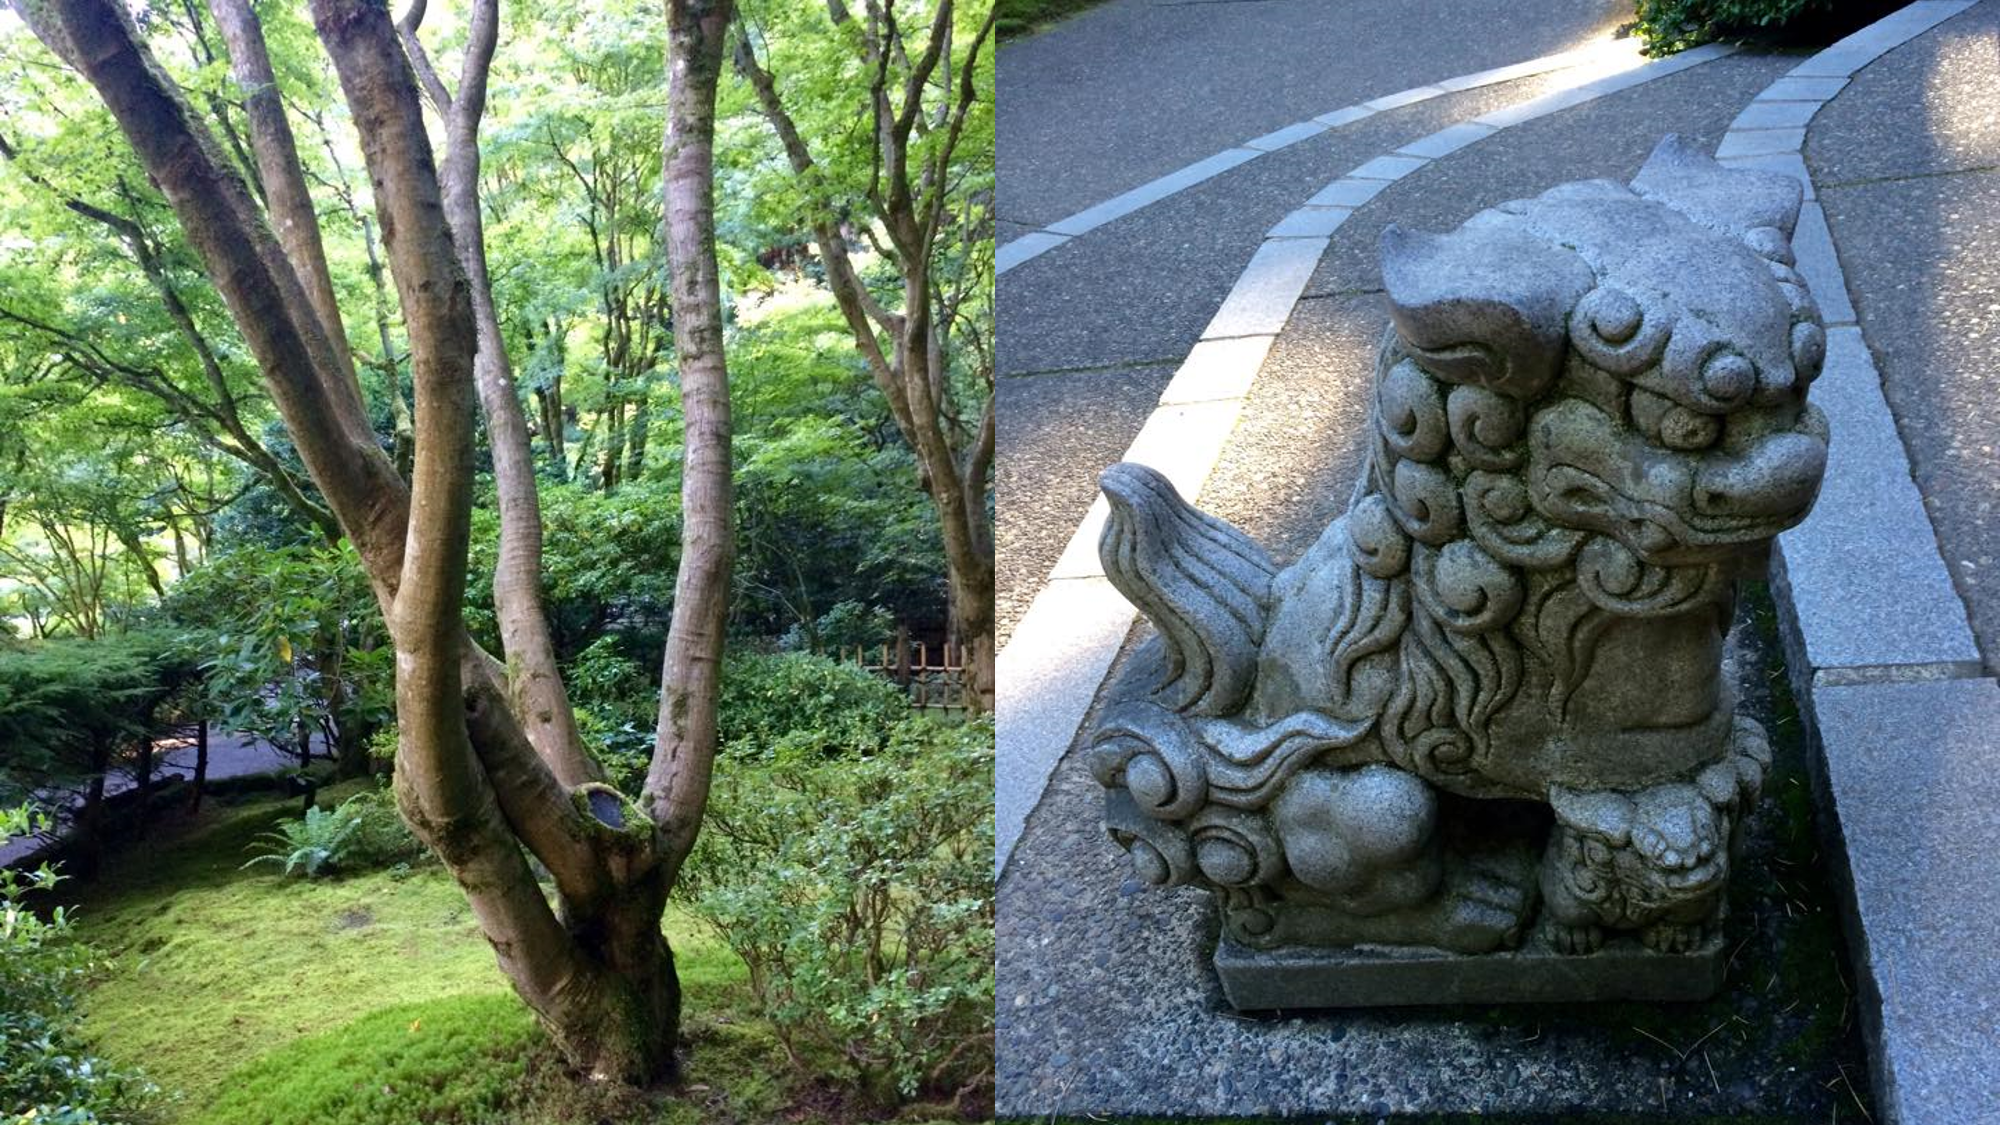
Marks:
<point>469,778</point>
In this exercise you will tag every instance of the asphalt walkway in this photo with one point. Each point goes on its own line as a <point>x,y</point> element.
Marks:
<point>229,755</point>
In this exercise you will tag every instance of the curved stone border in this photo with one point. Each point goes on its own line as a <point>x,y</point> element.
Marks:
<point>1057,658</point>
<point>1882,659</point>
<point>1047,238</point>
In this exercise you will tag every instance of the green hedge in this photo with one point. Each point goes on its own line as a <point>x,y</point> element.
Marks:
<point>1675,25</point>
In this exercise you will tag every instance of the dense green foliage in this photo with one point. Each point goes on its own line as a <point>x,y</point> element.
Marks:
<point>1675,25</point>
<point>292,643</point>
<point>361,833</point>
<point>859,891</point>
<point>67,705</point>
<point>47,1073</point>
<point>795,703</point>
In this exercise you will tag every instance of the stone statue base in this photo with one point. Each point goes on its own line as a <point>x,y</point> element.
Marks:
<point>1294,977</point>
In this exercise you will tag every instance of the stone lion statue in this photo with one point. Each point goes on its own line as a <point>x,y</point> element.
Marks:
<point>1486,708</point>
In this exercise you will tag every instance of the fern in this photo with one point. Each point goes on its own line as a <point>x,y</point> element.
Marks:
<point>314,845</point>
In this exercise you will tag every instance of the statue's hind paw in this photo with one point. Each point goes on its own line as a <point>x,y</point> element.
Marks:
<point>1576,939</point>
<point>1671,937</point>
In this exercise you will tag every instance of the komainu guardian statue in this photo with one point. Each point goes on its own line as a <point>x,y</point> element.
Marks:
<point>1476,744</point>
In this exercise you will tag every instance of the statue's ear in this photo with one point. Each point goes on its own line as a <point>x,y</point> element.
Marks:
<point>1486,305</point>
<point>1595,812</point>
<point>1733,200</point>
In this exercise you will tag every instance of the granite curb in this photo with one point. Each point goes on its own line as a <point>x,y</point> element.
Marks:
<point>1887,673</point>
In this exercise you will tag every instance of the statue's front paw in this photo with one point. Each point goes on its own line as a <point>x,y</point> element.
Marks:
<point>1576,940</point>
<point>1671,937</point>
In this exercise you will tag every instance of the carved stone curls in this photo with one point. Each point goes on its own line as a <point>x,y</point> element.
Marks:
<point>1476,744</point>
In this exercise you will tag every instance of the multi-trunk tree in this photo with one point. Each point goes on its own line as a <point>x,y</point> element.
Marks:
<point>489,771</point>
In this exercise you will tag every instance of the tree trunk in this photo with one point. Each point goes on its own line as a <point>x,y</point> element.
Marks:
<point>677,783</point>
<point>468,779</point>
<point>200,766</point>
<point>532,673</point>
<point>910,370</point>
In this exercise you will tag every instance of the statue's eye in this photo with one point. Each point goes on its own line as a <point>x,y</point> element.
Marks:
<point>1669,424</point>
<point>1728,377</point>
<point>1687,431</point>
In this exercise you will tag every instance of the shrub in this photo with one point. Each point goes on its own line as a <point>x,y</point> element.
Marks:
<point>380,838</point>
<point>809,703</point>
<point>1675,25</point>
<point>365,831</point>
<point>46,1073</point>
<point>455,1061</point>
<point>847,625</point>
<point>859,891</point>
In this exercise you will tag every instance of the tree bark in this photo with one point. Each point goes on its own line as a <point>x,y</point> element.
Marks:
<point>684,746</point>
<point>911,369</point>
<point>470,781</point>
<point>286,196</point>
<point>532,672</point>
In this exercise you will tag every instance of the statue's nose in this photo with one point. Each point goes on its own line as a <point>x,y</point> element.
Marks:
<point>1779,476</point>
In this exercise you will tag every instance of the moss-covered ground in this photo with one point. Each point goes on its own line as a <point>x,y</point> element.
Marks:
<point>256,999</point>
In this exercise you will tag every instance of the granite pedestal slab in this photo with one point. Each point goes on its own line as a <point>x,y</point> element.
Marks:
<point>1476,744</point>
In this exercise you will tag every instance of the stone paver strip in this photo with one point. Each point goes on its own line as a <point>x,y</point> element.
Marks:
<point>1565,99</point>
<point>1218,369</point>
<point>1025,247</point>
<point>1447,141</point>
<point>1262,298</point>
<point>1788,163</point>
<point>1776,115</point>
<point>1760,142</point>
<point>1345,115</point>
<point>1045,681</point>
<point>1405,97</point>
<point>1310,222</point>
<point>1347,193</point>
<point>1867,594</point>
<point>1909,771</point>
<point>1813,245</point>
<point>1289,135</point>
<point>1790,89</point>
<point>1888,673</point>
<point>1119,206</point>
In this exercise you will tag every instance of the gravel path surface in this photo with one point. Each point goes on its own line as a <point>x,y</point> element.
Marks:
<point>1137,88</point>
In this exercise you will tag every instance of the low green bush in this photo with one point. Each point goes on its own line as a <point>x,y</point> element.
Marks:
<point>47,1074</point>
<point>1675,25</point>
<point>807,703</point>
<point>362,833</point>
<point>456,1061</point>
<point>859,891</point>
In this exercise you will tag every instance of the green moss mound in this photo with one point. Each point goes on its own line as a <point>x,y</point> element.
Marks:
<point>456,1061</point>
